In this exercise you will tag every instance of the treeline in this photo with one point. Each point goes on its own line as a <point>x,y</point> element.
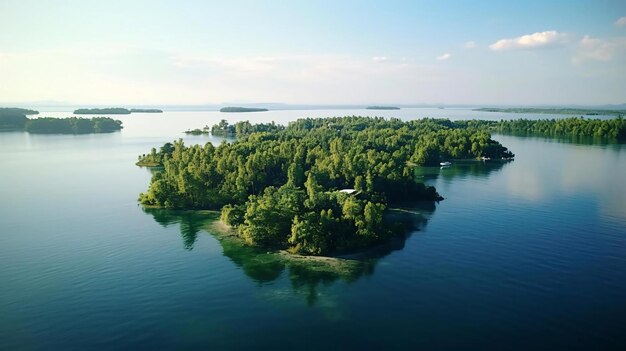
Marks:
<point>145,110</point>
<point>572,127</point>
<point>13,118</point>
<point>279,189</point>
<point>72,125</point>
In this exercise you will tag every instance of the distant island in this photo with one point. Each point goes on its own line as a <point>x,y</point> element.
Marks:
<point>316,187</point>
<point>14,119</point>
<point>102,111</point>
<point>556,111</point>
<point>72,125</point>
<point>145,110</point>
<point>242,109</point>
<point>382,108</point>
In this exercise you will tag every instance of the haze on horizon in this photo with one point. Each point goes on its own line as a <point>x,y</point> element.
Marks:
<point>313,52</point>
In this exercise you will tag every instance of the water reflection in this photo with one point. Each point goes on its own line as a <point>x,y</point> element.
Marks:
<point>461,169</point>
<point>191,222</point>
<point>306,275</point>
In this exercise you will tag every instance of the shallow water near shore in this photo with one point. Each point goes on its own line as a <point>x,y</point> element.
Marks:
<point>528,254</point>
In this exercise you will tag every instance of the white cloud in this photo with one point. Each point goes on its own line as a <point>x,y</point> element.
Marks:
<point>379,58</point>
<point>621,22</point>
<point>530,41</point>
<point>443,57</point>
<point>597,49</point>
<point>470,44</point>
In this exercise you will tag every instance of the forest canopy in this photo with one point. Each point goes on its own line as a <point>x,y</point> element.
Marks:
<point>281,188</point>
<point>72,125</point>
<point>382,108</point>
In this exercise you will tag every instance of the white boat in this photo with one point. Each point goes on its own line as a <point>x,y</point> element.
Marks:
<point>445,163</point>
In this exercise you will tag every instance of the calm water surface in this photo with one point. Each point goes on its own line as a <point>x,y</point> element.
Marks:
<point>529,254</point>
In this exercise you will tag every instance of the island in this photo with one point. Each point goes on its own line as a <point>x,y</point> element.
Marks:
<point>555,111</point>
<point>14,119</point>
<point>102,111</point>
<point>382,108</point>
<point>145,110</point>
<point>316,187</point>
<point>242,109</point>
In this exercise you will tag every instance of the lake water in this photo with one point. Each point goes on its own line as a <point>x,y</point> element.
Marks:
<point>529,254</point>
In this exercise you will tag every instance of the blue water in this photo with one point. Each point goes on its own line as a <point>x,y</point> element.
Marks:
<point>529,254</point>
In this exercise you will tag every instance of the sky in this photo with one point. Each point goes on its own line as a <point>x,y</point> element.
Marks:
<point>313,52</point>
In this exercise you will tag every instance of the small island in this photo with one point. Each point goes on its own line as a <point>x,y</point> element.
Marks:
<point>555,111</point>
<point>14,119</point>
<point>102,111</point>
<point>316,187</point>
<point>242,109</point>
<point>382,108</point>
<point>145,110</point>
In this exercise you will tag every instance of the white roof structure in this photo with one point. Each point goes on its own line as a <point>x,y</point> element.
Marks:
<point>348,191</point>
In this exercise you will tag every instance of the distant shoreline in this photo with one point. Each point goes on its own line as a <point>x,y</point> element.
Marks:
<point>556,111</point>
<point>230,109</point>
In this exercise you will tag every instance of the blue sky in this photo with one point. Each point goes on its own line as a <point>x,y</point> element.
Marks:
<point>317,52</point>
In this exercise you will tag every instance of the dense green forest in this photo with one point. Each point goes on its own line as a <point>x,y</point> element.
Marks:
<point>242,109</point>
<point>556,111</point>
<point>573,127</point>
<point>102,111</point>
<point>281,188</point>
<point>72,125</point>
<point>382,108</point>
<point>145,110</point>
<point>13,118</point>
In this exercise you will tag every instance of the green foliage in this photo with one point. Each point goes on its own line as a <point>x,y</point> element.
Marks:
<point>14,118</point>
<point>72,125</point>
<point>241,129</point>
<point>279,186</point>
